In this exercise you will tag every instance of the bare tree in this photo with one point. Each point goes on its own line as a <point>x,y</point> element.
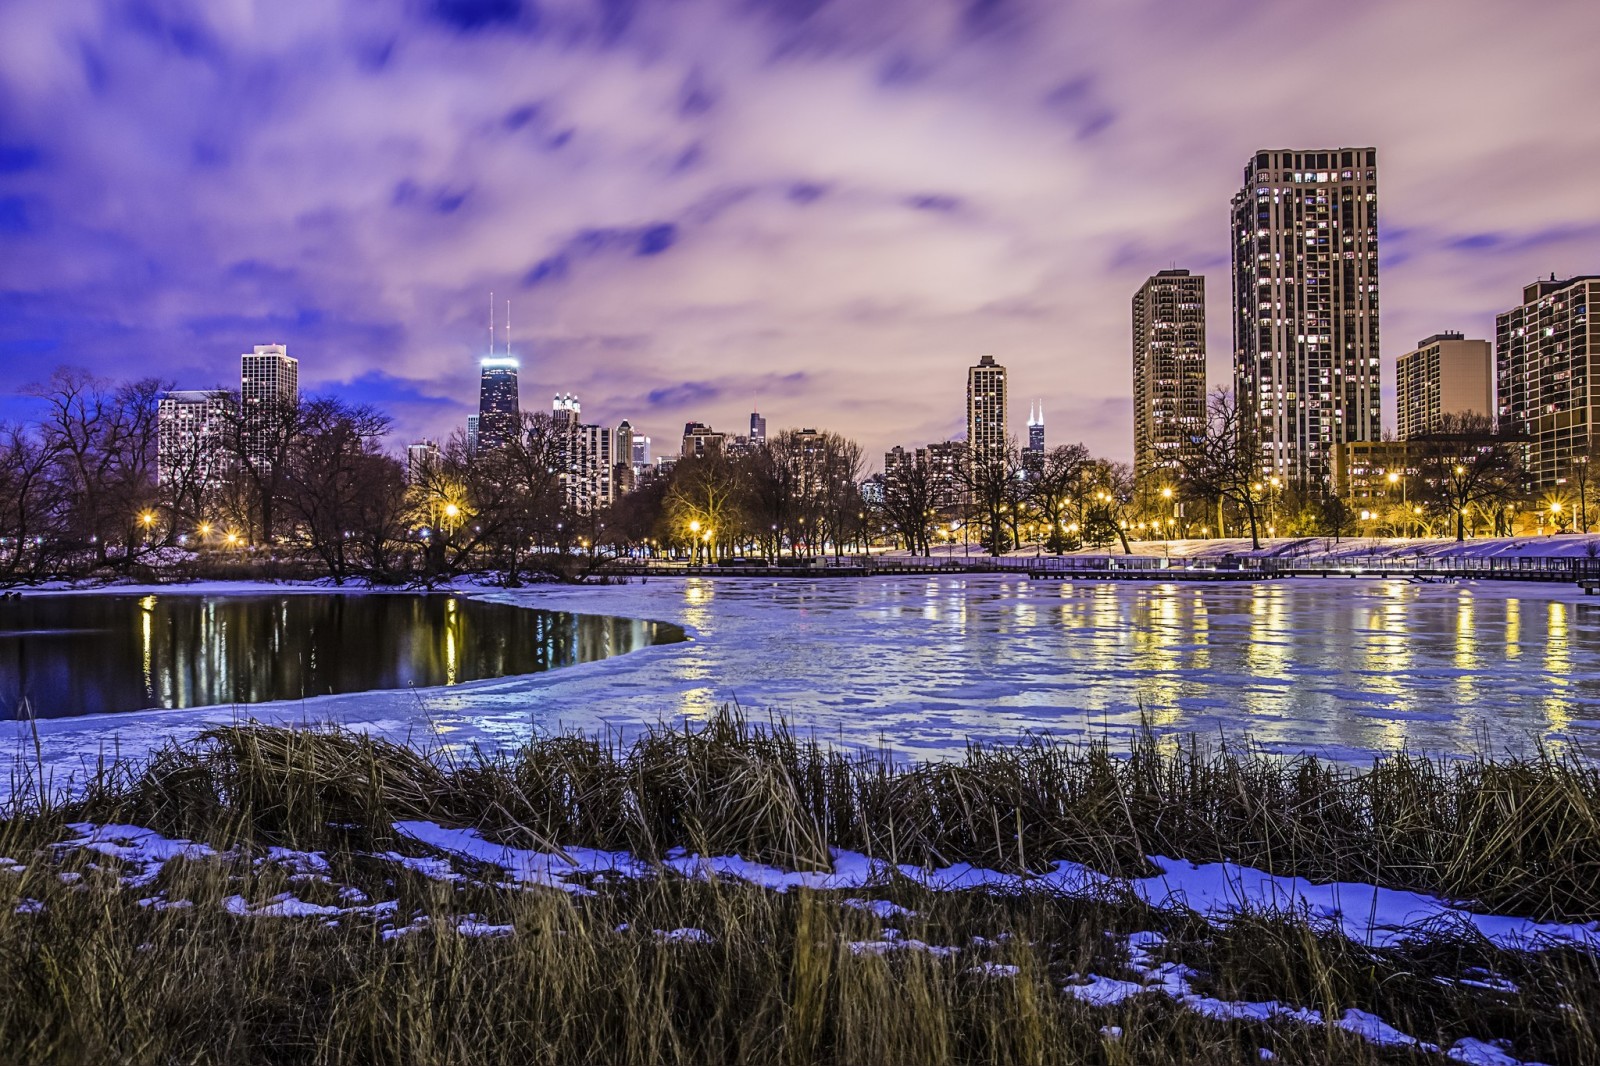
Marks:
<point>28,544</point>
<point>1466,463</point>
<point>336,477</point>
<point>990,479</point>
<point>911,498</point>
<point>1225,463</point>
<point>103,439</point>
<point>1059,479</point>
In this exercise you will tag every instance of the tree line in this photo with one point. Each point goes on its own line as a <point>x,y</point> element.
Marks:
<point>310,480</point>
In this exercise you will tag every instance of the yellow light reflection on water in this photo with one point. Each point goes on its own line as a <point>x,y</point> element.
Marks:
<point>148,605</point>
<point>1155,655</point>
<point>452,661</point>
<point>1558,663</point>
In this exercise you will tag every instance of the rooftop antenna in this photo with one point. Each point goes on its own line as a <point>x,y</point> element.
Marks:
<point>508,327</point>
<point>491,321</point>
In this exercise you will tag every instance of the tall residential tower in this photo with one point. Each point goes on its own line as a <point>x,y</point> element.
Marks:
<point>1445,375</point>
<point>1305,293</point>
<point>1546,351</point>
<point>1169,371</point>
<point>986,408</point>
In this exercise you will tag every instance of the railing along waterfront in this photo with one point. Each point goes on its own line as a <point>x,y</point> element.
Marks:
<point>1535,568</point>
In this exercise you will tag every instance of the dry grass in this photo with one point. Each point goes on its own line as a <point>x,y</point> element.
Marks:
<point>94,976</point>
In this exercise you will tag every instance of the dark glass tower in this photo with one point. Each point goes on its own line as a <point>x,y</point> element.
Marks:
<point>499,411</point>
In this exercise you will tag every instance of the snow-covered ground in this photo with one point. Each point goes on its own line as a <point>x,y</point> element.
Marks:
<point>1341,667</point>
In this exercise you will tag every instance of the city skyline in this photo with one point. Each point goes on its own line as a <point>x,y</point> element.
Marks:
<point>834,212</point>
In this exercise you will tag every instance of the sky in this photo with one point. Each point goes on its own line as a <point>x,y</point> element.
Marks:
<point>826,210</point>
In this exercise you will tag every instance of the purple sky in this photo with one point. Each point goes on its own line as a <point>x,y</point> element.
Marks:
<point>830,209</point>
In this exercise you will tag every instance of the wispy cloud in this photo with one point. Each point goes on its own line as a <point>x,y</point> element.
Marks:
<point>833,206</point>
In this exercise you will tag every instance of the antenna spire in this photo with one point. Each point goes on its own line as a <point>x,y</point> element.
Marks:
<point>491,321</point>
<point>508,327</point>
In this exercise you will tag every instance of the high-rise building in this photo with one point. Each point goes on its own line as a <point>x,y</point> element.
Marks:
<point>472,434</point>
<point>1169,371</point>
<point>1305,291</point>
<point>268,375</point>
<point>499,402</point>
<point>1036,427</point>
<point>986,408</point>
<point>269,386</point>
<point>189,438</point>
<point>758,430</point>
<point>1445,375</point>
<point>565,410</point>
<point>622,476</point>
<point>422,457</point>
<point>700,440</point>
<point>641,454</point>
<point>1545,355</point>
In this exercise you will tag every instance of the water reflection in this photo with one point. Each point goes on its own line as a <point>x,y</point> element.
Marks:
<point>70,655</point>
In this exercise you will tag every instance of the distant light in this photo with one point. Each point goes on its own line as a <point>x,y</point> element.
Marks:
<point>500,360</point>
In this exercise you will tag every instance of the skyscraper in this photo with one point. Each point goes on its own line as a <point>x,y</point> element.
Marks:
<point>986,409</point>
<point>1545,353</point>
<point>499,402</point>
<point>1445,375</point>
<point>189,439</point>
<point>622,480</point>
<point>1169,371</point>
<point>1305,291</point>
<point>269,388</point>
<point>641,454</point>
<point>268,375</point>
<point>472,434</point>
<point>758,430</point>
<point>1036,427</point>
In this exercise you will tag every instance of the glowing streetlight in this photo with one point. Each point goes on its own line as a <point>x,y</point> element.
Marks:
<point>451,510</point>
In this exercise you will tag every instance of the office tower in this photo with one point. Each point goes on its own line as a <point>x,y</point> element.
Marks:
<point>1169,372</point>
<point>758,430</point>
<point>499,402</point>
<point>986,409</point>
<point>422,459</point>
<point>268,375</point>
<point>472,434</point>
<point>700,440</point>
<point>1036,427</point>
<point>565,410</point>
<point>622,479</point>
<point>1545,361</point>
<point>1305,290</point>
<point>641,454</point>
<point>1445,375</point>
<point>269,389</point>
<point>189,439</point>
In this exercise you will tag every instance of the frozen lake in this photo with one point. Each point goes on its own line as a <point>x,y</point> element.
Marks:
<point>1341,667</point>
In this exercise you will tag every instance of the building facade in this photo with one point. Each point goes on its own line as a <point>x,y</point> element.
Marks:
<point>1446,374</point>
<point>1545,352</point>
<point>1169,371</point>
<point>758,430</point>
<point>1305,291</point>
<point>269,385</point>
<point>190,446</point>
<point>422,458</point>
<point>700,440</point>
<point>499,402</point>
<point>986,408</point>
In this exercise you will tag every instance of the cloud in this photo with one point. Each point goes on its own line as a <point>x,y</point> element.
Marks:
<point>832,208</point>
